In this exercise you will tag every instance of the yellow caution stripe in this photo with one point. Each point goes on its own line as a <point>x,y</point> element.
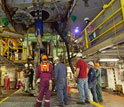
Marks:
<point>4,100</point>
<point>10,95</point>
<point>92,102</point>
<point>17,91</point>
<point>96,104</point>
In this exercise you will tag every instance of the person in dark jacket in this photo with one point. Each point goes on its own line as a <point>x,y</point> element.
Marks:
<point>31,76</point>
<point>98,85</point>
<point>61,82</point>
<point>92,81</point>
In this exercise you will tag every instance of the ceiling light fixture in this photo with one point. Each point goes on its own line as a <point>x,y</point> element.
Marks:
<point>76,30</point>
<point>109,60</point>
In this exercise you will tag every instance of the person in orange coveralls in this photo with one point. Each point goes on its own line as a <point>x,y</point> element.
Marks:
<point>7,82</point>
<point>45,73</point>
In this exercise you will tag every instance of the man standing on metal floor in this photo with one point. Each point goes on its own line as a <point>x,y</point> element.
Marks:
<point>92,81</point>
<point>45,73</point>
<point>82,79</point>
<point>98,85</point>
<point>61,82</point>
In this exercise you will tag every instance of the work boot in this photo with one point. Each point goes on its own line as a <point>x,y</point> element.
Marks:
<point>38,104</point>
<point>83,103</point>
<point>87,101</point>
<point>66,103</point>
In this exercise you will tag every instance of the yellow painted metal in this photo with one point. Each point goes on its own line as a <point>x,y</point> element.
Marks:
<point>0,46</point>
<point>8,49</point>
<point>107,31</point>
<point>122,6</point>
<point>105,20</point>
<point>101,13</point>
<point>105,7</point>
<point>33,1</point>
<point>86,38</point>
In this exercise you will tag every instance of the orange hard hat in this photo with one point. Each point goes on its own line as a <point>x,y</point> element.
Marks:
<point>96,64</point>
<point>44,57</point>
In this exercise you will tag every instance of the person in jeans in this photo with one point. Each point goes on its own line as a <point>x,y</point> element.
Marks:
<point>82,79</point>
<point>92,80</point>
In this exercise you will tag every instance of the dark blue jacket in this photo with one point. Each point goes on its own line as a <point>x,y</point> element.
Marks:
<point>91,77</point>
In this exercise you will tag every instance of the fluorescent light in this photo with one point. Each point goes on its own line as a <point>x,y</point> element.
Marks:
<point>109,60</point>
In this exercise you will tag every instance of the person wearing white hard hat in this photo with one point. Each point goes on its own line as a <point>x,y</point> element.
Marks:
<point>31,76</point>
<point>26,65</point>
<point>92,80</point>
<point>61,82</point>
<point>87,20</point>
<point>26,78</point>
<point>90,29</point>
<point>82,79</point>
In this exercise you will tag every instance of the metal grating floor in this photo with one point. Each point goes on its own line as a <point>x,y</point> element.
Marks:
<point>21,99</point>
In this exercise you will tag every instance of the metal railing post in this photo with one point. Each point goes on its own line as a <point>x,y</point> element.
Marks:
<point>86,37</point>
<point>122,7</point>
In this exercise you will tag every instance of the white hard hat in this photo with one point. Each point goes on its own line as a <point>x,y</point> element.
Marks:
<point>30,65</point>
<point>87,18</point>
<point>91,63</point>
<point>56,58</point>
<point>26,65</point>
<point>79,55</point>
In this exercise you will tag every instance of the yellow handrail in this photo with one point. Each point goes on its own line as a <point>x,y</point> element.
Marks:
<point>105,7</point>
<point>122,6</point>
<point>107,31</point>
<point>104,22</point>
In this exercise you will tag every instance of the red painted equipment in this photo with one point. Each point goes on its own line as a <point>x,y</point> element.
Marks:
<point>7,83</point>
<point>19,84</point>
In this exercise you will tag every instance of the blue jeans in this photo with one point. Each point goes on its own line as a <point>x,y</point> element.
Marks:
<point>83,89</point>
<point>93,91</point>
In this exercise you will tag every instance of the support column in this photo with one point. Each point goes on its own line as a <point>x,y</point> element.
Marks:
<point>0,47</point>
<point>86,38</point>
<point>122,6</point>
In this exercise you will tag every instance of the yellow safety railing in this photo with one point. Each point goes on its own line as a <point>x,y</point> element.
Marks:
<point>5,48</point>
<point>109,22</point>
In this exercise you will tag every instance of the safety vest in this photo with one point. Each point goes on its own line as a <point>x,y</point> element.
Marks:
<point>44,67</point>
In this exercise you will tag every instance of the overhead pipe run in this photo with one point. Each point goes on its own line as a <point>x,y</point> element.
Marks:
<point>10,35</point>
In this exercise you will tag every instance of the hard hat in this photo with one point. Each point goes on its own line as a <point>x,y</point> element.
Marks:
<point>91,63</point>
<point>97,64</point>
<point>30,65</point>
<point>87,18</point>
<point>44,57</point>
<point>79,55</point>
<point>56,58</point>
<point>26,65</point>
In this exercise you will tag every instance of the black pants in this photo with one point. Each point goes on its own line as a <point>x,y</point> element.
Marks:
<point>31,82</point>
